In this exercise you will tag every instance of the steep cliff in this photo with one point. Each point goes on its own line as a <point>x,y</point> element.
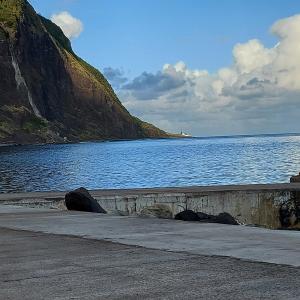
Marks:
<point>48,93</point>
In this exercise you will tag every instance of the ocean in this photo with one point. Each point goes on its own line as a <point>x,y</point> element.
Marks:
<point>150,163</point>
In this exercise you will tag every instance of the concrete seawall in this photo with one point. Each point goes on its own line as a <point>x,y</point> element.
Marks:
<point>260,205</point>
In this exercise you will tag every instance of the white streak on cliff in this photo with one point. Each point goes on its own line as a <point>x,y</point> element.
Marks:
<point>21,82</point>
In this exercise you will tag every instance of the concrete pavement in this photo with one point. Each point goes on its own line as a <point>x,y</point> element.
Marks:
<point>244,242</point>
<point>50,254</point>
<point>46,266</point>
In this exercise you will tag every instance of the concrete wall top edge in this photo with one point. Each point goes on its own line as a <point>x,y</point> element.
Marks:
<point>165,190</point>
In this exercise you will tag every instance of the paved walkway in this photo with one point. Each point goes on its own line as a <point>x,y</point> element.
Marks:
<point>48,254</point>
<point>46,266</point>
<point>258,244</point>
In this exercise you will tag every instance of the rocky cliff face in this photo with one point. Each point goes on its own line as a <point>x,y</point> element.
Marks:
<point>49,94</point>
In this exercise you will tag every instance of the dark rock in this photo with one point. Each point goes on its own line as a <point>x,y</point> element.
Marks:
<point>81,200</point>
<point>204,217</point>
<point>225,218</point>
<point>222,218</point>
<point>289,212</point>
<point>285,214</point>
<point>187,215</point>
<point>295,178</point>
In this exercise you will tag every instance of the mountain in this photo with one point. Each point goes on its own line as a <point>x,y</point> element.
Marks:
<point>48,93</point>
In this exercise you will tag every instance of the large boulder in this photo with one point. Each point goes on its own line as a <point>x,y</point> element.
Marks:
<point>187,215</point>
<point>225,218</point>
<point>158,211</point>
<point>81,200</point>
<point>222,218</point>
<point>203,217</point>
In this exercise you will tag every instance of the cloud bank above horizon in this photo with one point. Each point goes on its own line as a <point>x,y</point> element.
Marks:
<point>71,26</point>
<point>259,92</point>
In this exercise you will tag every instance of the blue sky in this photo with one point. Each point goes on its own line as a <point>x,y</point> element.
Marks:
<point>208,67</point>
<point>142,35</point>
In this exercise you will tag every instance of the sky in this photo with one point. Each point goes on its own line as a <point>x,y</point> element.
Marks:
<point>209,67</point>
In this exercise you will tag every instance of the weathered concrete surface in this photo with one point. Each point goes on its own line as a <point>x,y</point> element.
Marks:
<point>46,266</point>
<point>250,243</point>
<point>14,209</point>
<point>250,204</point>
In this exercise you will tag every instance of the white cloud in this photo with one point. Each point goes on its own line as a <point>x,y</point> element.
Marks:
<point>71,26</point>
<point>287,63</point>
<point>252,56</point>
<point>259,92</point>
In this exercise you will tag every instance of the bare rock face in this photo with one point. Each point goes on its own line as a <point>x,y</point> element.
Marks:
<point>81,200</point>
<point>48,93</point>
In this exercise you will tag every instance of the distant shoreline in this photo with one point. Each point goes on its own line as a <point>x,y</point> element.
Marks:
<point>7,145</point>
<point>249,135</point>
<point>93,141</point>
<point>159,138</point>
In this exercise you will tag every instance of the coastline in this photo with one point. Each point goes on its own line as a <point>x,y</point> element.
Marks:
<point>7,145</point>
<point>171,136</point>
<point>2,144</point>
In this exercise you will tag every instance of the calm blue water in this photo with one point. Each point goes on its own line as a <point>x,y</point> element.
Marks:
<point>150,163</point>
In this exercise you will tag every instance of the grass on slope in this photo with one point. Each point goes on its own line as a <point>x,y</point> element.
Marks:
<point>10,11</point>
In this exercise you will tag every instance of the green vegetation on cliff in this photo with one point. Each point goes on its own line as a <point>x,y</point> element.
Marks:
<point>35,123</point>
<point>18,121</point>
<point>10,11</point>
<point>57,34</point>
